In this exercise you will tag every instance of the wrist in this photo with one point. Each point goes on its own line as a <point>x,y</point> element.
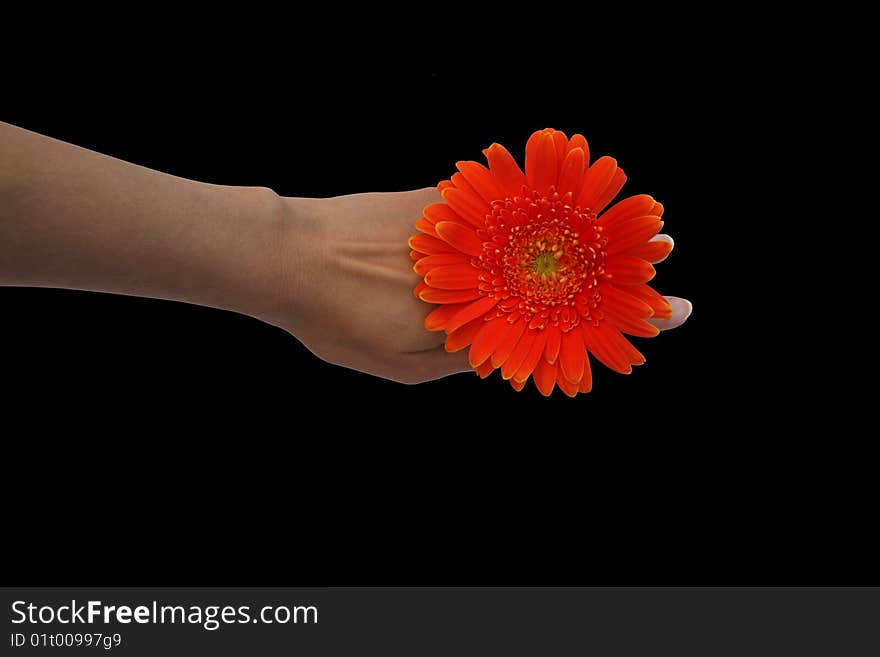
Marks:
<point>244,274</point>
<point>298,260</point>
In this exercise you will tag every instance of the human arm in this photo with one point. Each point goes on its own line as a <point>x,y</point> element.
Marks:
<point>334,272</point>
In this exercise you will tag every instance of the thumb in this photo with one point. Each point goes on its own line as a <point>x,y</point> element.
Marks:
<point>681,310</point>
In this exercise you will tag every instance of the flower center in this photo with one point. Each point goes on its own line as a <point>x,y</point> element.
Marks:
<point>545,263</point>
<point>542,259</point>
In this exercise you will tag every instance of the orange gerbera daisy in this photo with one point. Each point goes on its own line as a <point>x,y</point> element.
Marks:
<point>531,273</point>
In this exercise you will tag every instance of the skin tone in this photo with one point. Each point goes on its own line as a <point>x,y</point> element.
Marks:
<point>333,272</point>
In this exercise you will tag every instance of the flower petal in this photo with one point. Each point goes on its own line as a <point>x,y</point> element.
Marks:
<point>430,245</point>
<point>626,270</point>
<point>554,341</point>
<point>561,143</point>
<point>541,165</point>
<point>505,170</point>
<point>427,263</point>
<point>433,295</point>
<point>456,277</point>
<point>466,205</point>
<point>508,343</point>
<point>458,340</point>
<point>437,212</point>
<point>654,251</point>
<point>586,383</point>
<point>626,312</point>
<point>459,237</point>
<point>517,385</point>
<point>461,183</point>
<point>600,343</point>
<point>572,355</point>
<point>571,175</point>
<point>631,325</point>
<point>612,190</point>
<point>523,346</point>
<point>487,340</point>
<point>626,234</point>
<point>471,312</point>
<point>579,141</point>
<point>545,377</point>
<point>481,180</point>
<point>531,360</point>
<point>622,302</point>
<point>566,386</point>
<point>426,227</point>
<point>597,179</point>
<point>629,208</point>
<point>437,318</point>
<point>654,299</point>
<point>634,355</point>
<point>484,369</point>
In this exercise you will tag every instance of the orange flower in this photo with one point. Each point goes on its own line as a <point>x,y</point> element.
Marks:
<point>531,273</point>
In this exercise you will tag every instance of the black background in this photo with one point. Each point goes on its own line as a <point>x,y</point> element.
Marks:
<point>158,443</point>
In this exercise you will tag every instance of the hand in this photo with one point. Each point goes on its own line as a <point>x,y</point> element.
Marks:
<point>348,287</point>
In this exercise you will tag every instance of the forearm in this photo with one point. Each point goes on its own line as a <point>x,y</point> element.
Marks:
<point>73,218</point>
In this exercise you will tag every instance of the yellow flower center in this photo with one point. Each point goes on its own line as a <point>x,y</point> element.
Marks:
<point>545,264</point>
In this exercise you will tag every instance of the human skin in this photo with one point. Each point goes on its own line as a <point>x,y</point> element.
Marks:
<point>333,272</point>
